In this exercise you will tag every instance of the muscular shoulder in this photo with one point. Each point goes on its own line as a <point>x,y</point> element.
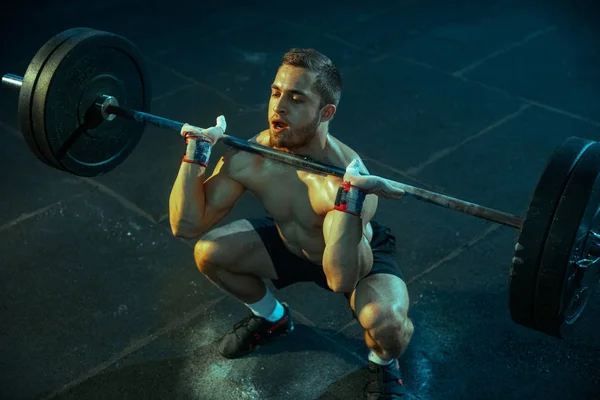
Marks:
<point>343,154</point>
<point>236,161</point>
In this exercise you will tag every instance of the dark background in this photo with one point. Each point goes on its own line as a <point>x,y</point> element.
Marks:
<point>467,98</point>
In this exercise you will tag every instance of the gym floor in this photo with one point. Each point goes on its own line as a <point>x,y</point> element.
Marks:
<point>467,98</point>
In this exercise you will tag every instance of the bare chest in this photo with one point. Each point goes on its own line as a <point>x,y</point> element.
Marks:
<point>290,195</point>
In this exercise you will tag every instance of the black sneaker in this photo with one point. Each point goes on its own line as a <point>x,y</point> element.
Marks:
<point>384,382</point>
<point>252,332</point>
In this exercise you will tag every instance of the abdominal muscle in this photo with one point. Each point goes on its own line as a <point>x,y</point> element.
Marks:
<point>307,244</point>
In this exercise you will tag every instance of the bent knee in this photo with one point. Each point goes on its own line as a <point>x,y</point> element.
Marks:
<point>374,315</point>
<point>222,247</point>
<point>207,254</point>
<point>394,338</point>
<point>387,323</point>
<point>214,253</point>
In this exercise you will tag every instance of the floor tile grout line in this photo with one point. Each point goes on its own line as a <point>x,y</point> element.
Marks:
<point>336,38</point>
<point>440,154</point>
<point>128,204</point>
<point>455,253</point>
<point>162,218</point>
<point>198,83</point>
<point>138,344</point>
<point>506,92</point>
<point>350,324</point>
<point>172,92</point>
<point>25,216</point>
<point>450,256</point>
<point>101,188</point>
<point>504,50</point>
<point>534,102</point>
<point>561,112</point>
<point>301,317</point>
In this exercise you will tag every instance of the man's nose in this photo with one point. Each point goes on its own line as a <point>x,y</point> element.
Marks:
<point>279,106</point>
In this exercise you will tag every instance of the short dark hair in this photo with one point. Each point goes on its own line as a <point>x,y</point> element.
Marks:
<point>328,82</point>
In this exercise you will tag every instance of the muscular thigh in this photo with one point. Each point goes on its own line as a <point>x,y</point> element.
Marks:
<point>237,247</point>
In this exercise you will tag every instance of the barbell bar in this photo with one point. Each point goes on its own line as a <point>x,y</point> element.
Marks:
<point>476,210</point>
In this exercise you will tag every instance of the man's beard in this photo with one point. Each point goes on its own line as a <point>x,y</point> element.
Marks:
<point>293,138</point>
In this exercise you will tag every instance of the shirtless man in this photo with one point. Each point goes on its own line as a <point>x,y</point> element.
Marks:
<point>317,228</point>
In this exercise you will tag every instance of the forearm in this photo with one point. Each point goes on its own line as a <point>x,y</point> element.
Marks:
<point>347,257</point>
<point>187,201</point>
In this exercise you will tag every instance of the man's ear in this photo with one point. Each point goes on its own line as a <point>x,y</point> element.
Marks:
<point>328,112</point>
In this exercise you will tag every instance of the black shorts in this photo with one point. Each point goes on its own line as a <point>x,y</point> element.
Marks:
<point>291,269</point>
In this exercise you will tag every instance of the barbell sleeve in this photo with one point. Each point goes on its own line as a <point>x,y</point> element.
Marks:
<point>12,81</point>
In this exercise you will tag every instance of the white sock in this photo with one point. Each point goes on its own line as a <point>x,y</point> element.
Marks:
<point>268,307</point>
<point>375,358</point>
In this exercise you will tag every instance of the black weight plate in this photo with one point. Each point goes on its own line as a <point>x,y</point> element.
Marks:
<point>523,275</point>
<point>66,124</point>
<point>563,287</point>
<point>30,79</point>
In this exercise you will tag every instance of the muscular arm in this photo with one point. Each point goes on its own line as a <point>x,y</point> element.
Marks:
<point>347,256</point>
<point>196,205</point>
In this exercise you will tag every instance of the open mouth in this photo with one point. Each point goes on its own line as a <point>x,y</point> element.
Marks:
<point>278,125</point>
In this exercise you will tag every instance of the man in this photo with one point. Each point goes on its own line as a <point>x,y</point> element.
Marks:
<point>319,228</point>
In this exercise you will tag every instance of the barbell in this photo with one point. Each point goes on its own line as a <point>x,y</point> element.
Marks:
<point>82,79</point>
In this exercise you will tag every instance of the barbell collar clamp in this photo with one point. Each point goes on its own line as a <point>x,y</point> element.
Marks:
<point>103,103</point>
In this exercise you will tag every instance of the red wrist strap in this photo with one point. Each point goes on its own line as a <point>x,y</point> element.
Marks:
<point>349,199</point>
